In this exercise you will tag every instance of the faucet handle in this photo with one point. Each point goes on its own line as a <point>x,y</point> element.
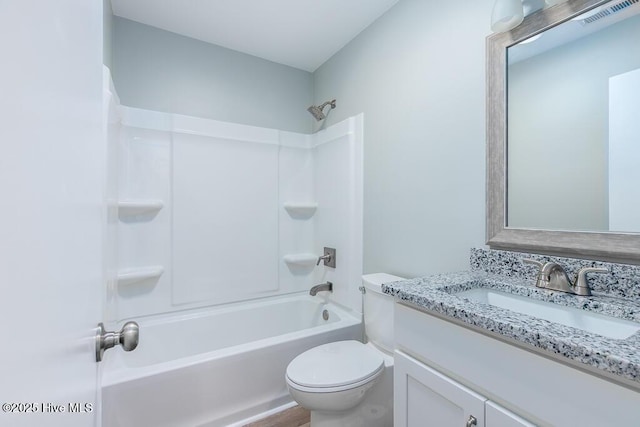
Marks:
<point>329,257</point>
<point>582,283</point>
<point>542,280</point>
<point>326,257</point>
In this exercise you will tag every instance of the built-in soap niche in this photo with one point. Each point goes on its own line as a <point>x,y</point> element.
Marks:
<point>138,210</point>
<point>138,281</point>
<point>301,264</point>
<point>301,211</point>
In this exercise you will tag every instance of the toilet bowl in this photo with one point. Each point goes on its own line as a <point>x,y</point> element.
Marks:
<point>334,376</point>
<point>348,383</point>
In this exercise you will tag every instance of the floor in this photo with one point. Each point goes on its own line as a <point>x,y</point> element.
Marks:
<point>293,417</point>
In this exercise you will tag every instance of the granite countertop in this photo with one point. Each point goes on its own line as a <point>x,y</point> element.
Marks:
<point>620,357</point>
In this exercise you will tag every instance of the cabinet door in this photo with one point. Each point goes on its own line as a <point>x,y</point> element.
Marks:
<point>425,397</point>
<point>497,416</point>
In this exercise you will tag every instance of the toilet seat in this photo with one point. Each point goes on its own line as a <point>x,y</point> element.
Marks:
<point>333,367</point>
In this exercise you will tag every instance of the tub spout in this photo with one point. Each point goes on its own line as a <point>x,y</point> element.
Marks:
<point>322,287</point>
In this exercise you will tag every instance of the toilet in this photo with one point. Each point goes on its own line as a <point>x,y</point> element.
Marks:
<point>348,383</point>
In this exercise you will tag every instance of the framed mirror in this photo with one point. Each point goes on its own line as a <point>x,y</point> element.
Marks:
<point>563,132</point>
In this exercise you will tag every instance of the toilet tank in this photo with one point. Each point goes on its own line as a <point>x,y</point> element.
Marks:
<point>378,310</point>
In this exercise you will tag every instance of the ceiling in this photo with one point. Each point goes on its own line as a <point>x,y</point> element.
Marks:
<point>299,33</point>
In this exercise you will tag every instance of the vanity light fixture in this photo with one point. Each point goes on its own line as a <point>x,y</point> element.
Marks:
<point>508,14</point>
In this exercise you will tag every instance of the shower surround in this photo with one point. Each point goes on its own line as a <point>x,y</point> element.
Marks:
<point>207,216</point>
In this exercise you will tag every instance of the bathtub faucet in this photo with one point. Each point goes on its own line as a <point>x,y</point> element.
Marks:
<point>322,287</point>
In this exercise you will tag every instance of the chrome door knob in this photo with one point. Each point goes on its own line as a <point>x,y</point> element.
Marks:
<point>128,338</point>
<point>472,421</point>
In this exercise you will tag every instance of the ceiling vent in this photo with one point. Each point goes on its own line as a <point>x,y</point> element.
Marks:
<point>603,12</point>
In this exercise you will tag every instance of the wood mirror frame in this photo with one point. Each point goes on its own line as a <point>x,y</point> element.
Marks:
<point>620,247</point>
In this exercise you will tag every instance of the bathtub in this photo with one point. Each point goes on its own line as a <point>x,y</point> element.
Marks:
<point>216,366</point>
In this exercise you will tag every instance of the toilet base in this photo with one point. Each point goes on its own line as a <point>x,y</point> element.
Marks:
<point>375,411</point>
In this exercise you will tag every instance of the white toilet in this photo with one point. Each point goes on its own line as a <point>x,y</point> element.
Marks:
<point>347,383</point>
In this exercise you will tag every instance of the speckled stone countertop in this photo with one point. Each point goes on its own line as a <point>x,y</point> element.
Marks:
<point>617,357</point>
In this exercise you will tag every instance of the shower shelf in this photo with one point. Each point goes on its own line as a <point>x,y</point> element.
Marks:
<point>304,260</point>
<point>301,210</point>
<point>131,276</point>
<point>138,207</point>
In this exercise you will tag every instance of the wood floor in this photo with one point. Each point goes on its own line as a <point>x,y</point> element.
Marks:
<point>293,417</point>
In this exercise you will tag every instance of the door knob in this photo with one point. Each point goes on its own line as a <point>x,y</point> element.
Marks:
<point>127,338</point>
<point>472,421</point>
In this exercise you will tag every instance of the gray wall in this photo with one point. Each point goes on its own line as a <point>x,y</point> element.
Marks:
<point>107,31</point>
<point>418,74</point>
<point>163,71</point>
<point>559,119</point>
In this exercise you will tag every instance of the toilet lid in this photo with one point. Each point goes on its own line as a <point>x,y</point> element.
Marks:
<point>335,364</point>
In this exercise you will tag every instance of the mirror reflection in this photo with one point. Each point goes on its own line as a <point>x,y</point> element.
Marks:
<point>573,150</point>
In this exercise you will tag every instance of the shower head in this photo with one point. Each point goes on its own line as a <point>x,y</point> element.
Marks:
<point>317,112</point>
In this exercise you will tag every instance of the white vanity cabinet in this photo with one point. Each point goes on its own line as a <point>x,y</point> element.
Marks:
<point>446,372</point>
<point>497,416</point>
<point>425,397</point>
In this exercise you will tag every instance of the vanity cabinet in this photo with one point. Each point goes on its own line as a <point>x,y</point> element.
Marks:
<point>425,397</point>
<point>445,372</point>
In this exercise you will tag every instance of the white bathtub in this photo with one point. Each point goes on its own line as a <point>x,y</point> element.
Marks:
<point>216,366</point>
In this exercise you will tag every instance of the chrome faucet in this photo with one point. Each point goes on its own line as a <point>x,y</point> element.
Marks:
<point>322,287</point>
<point>552,276</point>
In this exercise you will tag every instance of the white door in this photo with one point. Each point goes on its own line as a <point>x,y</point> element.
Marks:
<point>424,397</point>
<point>51,208</point>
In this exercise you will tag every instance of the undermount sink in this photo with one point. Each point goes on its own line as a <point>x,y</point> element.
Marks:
<point>610,327</point>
